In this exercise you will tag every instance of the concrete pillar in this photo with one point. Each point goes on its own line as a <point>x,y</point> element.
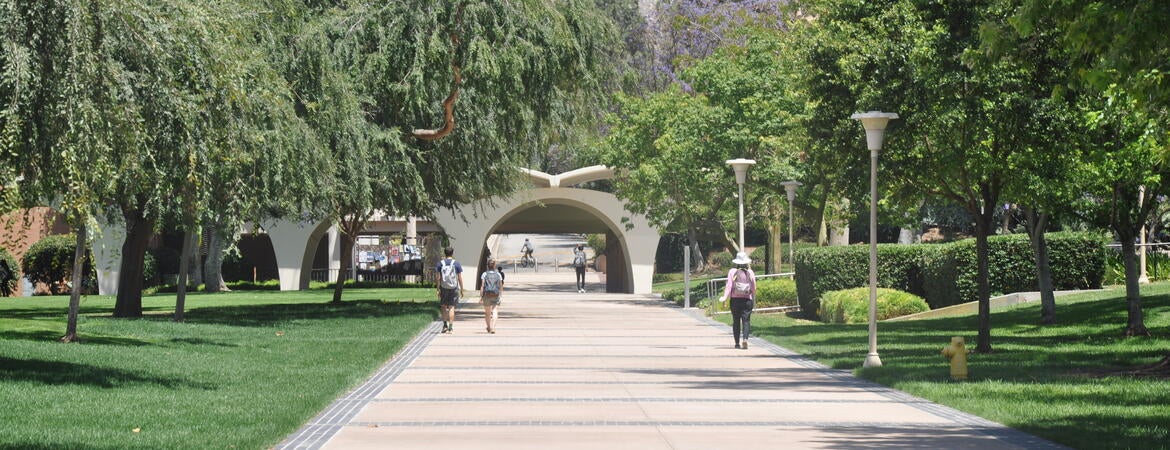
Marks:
<point>333,237</point>
<point>294,255</point>
<point>107,253</point>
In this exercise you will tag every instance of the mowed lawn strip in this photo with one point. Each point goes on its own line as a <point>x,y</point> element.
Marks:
<point>245,370</point>
<point>1059,382</point>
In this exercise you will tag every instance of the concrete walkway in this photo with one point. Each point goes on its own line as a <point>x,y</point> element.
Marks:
<point>587,371</point>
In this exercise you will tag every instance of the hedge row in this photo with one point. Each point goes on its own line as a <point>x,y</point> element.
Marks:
<point>823,269</point>
<point>949,273</point>
<point>945,274</point>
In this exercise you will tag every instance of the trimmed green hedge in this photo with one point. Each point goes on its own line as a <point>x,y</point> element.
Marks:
<point>824,269</point>
<point>698,292</point>
<point>9,277</point>
<point>1077,261</point>
<point>852,305</point>
<point>945,274</point>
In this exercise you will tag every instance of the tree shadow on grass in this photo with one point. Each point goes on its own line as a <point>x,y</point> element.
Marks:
<point>268,314</point>
<point>49,335</point>
<point>60,373</point>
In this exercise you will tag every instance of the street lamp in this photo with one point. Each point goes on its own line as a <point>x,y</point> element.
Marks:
<point>741,168</point>
<point>875,130</point>
<point>790,189</point>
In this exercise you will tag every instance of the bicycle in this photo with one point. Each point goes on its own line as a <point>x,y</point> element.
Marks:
<point>527,261</point>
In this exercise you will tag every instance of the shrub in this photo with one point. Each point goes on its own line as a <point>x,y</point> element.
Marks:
<point>824,269</point>
<point>596,242</point>
<point>769,292</point>
<point>50,261</point>
<point>9,273</point>
<point>759,258</point>
<point>1077,261</point>
<point>775,292</point>
<point>722,260</point>
<point>852,305</point>
<point>698,292</point>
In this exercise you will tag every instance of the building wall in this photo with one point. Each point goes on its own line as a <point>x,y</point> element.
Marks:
<point>20,229</point>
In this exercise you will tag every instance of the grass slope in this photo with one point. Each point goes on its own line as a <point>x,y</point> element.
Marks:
<point>1060,382</point>
<point>245,369</point>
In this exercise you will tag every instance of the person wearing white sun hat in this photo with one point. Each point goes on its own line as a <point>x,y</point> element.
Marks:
<point>741,288</point>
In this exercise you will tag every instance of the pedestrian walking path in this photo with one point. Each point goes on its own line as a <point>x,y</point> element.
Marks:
<point>588,371</point>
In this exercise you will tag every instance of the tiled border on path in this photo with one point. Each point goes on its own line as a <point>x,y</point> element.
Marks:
<point>996,430</point>
<point>321,428</point>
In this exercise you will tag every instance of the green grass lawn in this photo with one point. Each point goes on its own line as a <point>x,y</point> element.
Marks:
<point>244,371</point>
<point>1052,381</point>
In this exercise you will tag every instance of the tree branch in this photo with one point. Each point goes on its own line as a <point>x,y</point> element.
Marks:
<point>449,102</point>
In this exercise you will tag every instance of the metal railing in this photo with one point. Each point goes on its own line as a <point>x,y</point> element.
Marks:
<point>715,286</point>
<point>329,275</point>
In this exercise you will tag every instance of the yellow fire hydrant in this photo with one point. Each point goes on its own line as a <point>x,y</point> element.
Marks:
<point>957,353</point>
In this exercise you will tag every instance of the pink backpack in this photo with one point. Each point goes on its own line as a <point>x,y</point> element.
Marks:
<point>742,285</point>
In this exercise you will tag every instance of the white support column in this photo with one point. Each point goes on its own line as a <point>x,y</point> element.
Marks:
<point>107,254</point>
<point>334,239</point>
<point>290,242</point>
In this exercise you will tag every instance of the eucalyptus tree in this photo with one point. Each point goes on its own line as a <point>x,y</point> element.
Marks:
<point>668,151</point>
<point>1114,47</point>
<point>966,120</point>
<point>1117,52</point>
<point>730,99</point>
<point>1122,158</point>
<point>1049,142</point>
<point>751,78</point>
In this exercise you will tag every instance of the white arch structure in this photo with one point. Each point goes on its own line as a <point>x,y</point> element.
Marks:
<point>631,248</point>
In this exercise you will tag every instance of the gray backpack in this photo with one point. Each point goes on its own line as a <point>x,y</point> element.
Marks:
<point>449,279</point>
<point>491,283</point>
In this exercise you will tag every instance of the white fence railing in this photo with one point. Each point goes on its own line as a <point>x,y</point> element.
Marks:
<point>715,286</point>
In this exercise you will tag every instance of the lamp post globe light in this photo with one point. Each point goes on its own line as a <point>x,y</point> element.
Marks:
<point>874,123</point>
<point>741,168</point>
<point>790,189</point>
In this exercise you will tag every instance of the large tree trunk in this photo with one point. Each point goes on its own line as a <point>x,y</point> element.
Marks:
<point>75,293</point>
<point>346,260</point>
<point>189,239</point>
<point>138,232</point>
<point>1036,222</point>
<point>983,223</point>
<point>213,265</point>
<point>194,261</point>
<point>698,262</point>
<point>775,256</point>
<point>1136,325</point>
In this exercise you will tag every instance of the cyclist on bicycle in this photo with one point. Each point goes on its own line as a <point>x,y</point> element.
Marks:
<point>527,249</point>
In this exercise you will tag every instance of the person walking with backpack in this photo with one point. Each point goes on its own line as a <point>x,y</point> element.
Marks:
<point>490,289</point>
<point>579,266</point>
<point>741,288</point>
<point>449,279</point>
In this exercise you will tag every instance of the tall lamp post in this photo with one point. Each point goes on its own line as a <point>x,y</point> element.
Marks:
<point>790,189</point>
<point>875,130</point>
<point>741,169</point>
